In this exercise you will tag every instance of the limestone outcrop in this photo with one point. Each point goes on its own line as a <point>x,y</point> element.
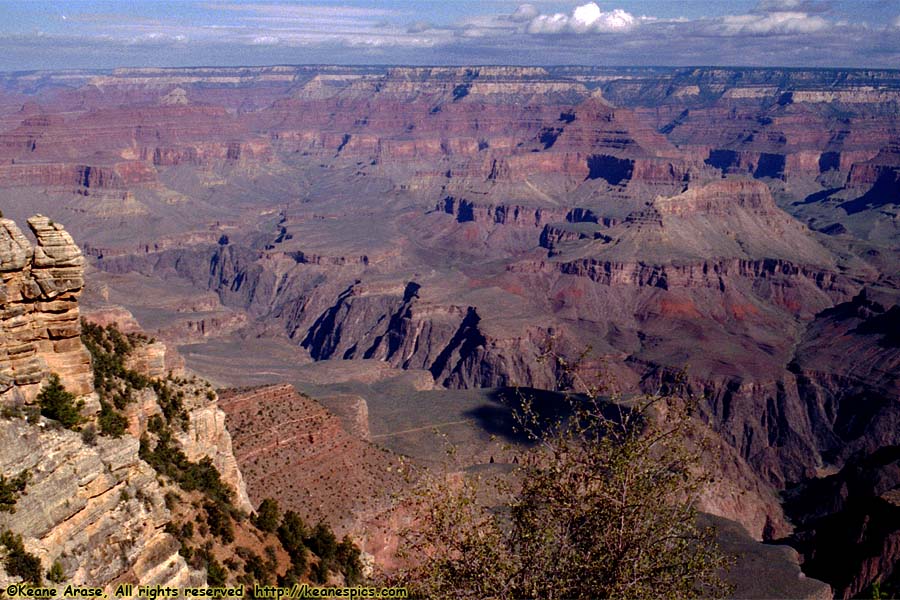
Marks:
<point>204,433</point>
<point>90,502</point>
<point>39,318</point>
<point>97,509</point>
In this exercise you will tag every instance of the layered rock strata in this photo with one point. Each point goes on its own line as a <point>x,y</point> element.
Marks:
<point>97,509</point>
<point>204,434</point>
<point>39,322</point>
<point>293,449</point>
<point>90,503</point>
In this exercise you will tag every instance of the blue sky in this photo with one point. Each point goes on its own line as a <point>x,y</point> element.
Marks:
<point>38,34</point>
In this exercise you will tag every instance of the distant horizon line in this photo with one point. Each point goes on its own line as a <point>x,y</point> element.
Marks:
<point>444,66</point>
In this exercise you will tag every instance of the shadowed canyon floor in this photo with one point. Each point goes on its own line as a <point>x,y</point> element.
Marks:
<point>408,242</point>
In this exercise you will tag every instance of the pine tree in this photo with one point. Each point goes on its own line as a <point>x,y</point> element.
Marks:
<point>59,404</point>
<point>268,515</point>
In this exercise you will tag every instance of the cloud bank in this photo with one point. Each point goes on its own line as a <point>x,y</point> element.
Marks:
<point>771,33</point>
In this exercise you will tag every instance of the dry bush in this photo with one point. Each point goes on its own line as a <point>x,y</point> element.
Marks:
<point>603,505</point>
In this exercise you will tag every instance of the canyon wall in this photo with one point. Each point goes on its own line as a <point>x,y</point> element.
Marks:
<point>736,223</point>
<point>90,502</point>
<point>40,325</point>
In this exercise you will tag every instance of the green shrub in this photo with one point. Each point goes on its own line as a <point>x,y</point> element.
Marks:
<point>216,574</point>
<point>292,533</point>
<point>112,423</point>
<point>323,542</point>
<point>59,404</point>
<point>172,462</point>
<point>89,434</point>
<point>18,562</point>
<point>109,349</point>
<point>254,565</point>
<point>319,571</point>
<point>348,560</point>
<point>267,515</point>
<point>56,574</point>
<point>219,522</point>
<point>10,489</point>
<point>604,506</point>
<point>171,500</point>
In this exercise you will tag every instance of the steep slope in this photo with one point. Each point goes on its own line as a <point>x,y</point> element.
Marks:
<point>294,450</point>
<point>98,510</point>
<point>40,322</point>
<point>112,497</point>
<point>94,507</point>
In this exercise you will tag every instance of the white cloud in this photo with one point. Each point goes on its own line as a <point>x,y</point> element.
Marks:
<point>584,17</point>
<point>525,12</point>
<point>548,23</point>
<point>616,20</point>
<point>157,38</point>
<point>587,18</point>
<point>265,40</point>
<point>418,27</point>
<point>289,11</point>
<point>782,32</point>
<point>774,22</point>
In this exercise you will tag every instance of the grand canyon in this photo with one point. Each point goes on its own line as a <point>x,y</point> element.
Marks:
<point>360,259</point>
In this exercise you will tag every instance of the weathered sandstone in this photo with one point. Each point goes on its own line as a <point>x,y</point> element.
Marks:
<point>39,318</point>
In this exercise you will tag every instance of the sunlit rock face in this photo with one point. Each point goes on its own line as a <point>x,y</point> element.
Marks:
<point>39,323</point>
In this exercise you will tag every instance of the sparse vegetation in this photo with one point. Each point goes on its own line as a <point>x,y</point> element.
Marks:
<point>11,488</point>
<point>109,350</point>
<point>168,460</point>
<point>347,558</point>
<point>207,524</point>
<point>89,434</point>
<point>18,562</point>
<point>323,542</point>
<point>256,568</point>
<point>216,574</point>
<point>56,574</point>
<point>219,522</point>
<point>111,422</point>
<point>171,500</point>
<point>117,384</point>
<point>292,534</point>
<point>298,541</point>
<point>267,515</point>
<point>603,506</point>
<point>171,401</point>
<point>59,404</point>
<point>11,411</point>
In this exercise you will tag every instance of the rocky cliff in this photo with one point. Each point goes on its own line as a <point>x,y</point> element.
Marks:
<point>90,502</point>
<point>97,509</point>
<point>39,323</point>
<point>204,433</point>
